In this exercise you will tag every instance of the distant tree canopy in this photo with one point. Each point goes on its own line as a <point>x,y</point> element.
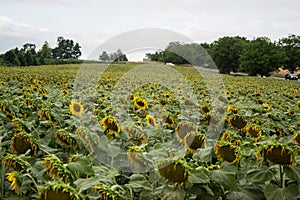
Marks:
<point>113,57</point>
<point>261,56</point>
<point>28,55</point>
<point>226,53</point>
<point>231,54</point>
<point>181,53</point>
<point>66,49</point>
<point>291,46</point>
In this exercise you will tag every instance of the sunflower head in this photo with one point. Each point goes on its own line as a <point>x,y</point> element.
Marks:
<point>107,192</point>
<point>183,128</point>
<point>238,122</point>
<point>56,169</point>
<point>16,181</point>
<point>253,131</point>
<point>59,191</point>
<point>151,121</point>
<point>226,152</point>
<point>76,108</point>
<point>168,121</point>
<point>15,162</point>
<point>204,109</point>
<point>231,138</point>
<point>134,135</point>
<point>193,141</point>
<point>277,153</point>
<point>66,138</point>
<point>297,138</point>
<point>174,171</point>
<point>111,126</point>
<point>232,109</point>
<point>140,103</point>
<point>22,142</point>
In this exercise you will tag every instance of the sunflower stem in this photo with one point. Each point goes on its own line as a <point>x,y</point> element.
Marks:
<point>281,177</point>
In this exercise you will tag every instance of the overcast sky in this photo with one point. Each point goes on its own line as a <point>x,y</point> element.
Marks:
<point>92,22</point>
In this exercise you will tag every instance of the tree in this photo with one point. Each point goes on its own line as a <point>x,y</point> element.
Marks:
<point>104,57</point>
<point>226,53</point>
<point>261,56</point>
<point>30,54</point>
<point>11,57</point>
<point>66,49</point>
<point>291,46</point>
<point>44,53</point>
<point>117,56</point>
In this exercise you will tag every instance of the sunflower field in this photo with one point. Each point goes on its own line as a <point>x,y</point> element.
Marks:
<point>146,131</point>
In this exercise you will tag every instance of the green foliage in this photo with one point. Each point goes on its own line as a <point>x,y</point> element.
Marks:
<point>66,49</point>
<point>226,53</point>
<point>291,46</point>
<point>261,56</point>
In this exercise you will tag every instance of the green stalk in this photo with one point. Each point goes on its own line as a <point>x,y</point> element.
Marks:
<point>281,177</point>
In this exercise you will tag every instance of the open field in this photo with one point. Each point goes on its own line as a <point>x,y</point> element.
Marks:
<point>146,131</point>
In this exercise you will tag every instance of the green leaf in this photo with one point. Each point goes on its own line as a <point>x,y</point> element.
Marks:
<point>273,192</point>
<point>259,175</point>
<point>139,181</point>
<point>172,194</point>
<point>226,177</point>
<point>203,155</point>
<point>86,183</point>
<point>199,175</point>
<point>81,165</point>
<point>292,173</point>
<point>248,192</point>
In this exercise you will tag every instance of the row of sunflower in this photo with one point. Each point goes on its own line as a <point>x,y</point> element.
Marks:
<point>139,136</point>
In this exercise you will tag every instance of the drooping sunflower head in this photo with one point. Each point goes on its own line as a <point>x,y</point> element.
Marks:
<point>232,109</point>
<point>228,137</point>
<point>183,128</point>
<point>76,108</point>
<point>66,138</point>
<point>277,153</point>
<point>16,181</point>
<point>194,141</point>
<point>226,152</point>
<point>59,191</point>
<point>15,162</point>
<point>238,122</point>
<point>56,169</point>
<point>140,103</point>
<point>168,121</point>
<point>107,192</point>
<point>204,109</point>
<point>253,131</point>
<point>151,121</point>
<point>134,135</point>
<point>174,171</point>
<point>110,126</point>
<point>297,138</point>
<point>22,142</point>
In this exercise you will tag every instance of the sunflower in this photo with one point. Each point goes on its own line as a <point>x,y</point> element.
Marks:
<point>135,135</point>
<point>76,108</point>
<point>107,192</point>
<point>140,103</point>
<point>193,141</point>
<point>204,109</point>
<point>183,128</point>
<point>16,162</point>
<point>110,126</point>
<point>226,152</point>
<point>59,191</point>
<point>134,158</point>
<point>151,121</point>
<point>231,138</point>
<point>22,142</point>
<point>297,138</point>
<point>238,122</point>
<point>56,169</point>
<point>253,131</point>
<point>15,179</point>
<point>232,109</point>
<point>65,92</point>
<point>83,135</point>
<point>174,171</point>
<point>277,153</point>
<point>66,138</point>
<point>168,121</point>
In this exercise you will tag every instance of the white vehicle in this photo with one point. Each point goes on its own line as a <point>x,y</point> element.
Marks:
<point>170,64</point>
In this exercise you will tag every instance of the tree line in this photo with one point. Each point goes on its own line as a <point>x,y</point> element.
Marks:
<point>231,54</point>
<point>66,51</point>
